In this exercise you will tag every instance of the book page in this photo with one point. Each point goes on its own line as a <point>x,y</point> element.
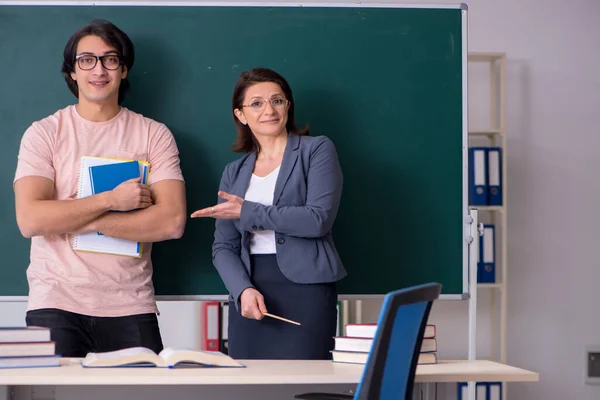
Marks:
<point>133,351</point>
<point>186,357</point>
<point>130,356</point>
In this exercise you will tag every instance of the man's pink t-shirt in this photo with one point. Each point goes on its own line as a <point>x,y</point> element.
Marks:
<point>91,284</point>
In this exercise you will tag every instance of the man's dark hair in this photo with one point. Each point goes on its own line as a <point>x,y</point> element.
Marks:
<point>112,36</point>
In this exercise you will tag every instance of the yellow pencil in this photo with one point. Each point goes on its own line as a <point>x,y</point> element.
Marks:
<point>281,318</point>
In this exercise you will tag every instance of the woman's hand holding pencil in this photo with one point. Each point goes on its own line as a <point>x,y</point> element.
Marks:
<point>252,305</point>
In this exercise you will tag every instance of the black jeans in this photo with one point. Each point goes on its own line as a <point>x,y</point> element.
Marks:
<point>76,335</point>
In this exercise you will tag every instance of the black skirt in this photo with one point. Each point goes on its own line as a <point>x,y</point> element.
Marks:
<point>313,305</point>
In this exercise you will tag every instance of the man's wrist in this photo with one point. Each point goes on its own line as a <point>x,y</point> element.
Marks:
<point>107,201</point>
<point>94,226</point>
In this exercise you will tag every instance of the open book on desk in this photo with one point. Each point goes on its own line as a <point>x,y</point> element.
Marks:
<point>168,358</point>
<point>99,174</point>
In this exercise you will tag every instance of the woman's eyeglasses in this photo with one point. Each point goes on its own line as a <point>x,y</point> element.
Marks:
<point>259,105</point>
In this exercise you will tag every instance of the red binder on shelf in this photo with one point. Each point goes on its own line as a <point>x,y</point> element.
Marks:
<point>211,324</point>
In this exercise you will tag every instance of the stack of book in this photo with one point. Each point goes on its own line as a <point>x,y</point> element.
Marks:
<point>356,345</point>
<point>27,347</point>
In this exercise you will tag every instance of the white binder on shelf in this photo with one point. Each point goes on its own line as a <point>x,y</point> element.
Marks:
<point>486,269</point>
<point>478,176</point>
<point>494,391</point>
<point>483,391</point>
<point>494,161</point>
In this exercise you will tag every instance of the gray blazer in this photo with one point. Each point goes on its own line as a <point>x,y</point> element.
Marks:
<point>305,204</point>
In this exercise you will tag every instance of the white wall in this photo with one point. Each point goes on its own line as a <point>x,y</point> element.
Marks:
<point>553,102</point>
<point>179,321</point>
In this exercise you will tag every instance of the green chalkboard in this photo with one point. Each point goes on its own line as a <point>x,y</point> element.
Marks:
<point>385,84</point>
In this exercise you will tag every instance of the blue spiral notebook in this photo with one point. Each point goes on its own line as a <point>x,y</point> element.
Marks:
<point>97,175</point>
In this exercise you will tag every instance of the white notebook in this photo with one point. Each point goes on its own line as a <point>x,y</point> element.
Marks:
<point>96,242</point>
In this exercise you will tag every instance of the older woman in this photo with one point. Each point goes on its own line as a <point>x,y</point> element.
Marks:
<point>273,245</point>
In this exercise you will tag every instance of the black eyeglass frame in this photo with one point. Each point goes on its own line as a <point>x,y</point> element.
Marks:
<point>98,58</point>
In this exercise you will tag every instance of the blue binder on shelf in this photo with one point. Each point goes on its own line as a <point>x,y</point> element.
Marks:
<point>478,187</point>
<point>494,167</point>
<point>486,267</point>
<point>483,391</point>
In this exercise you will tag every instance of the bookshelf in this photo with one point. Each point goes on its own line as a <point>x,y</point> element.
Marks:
<point>494,135</point>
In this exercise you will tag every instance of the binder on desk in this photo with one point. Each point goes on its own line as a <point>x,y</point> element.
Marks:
<point>486,268</point>
<point>494,160</point>
<point>478,190</point>
<point>98,174</point>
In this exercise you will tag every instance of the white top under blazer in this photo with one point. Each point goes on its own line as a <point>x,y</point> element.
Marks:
<point>261,190</point>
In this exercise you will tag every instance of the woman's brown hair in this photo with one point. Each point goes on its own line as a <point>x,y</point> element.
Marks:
<point>245,141</point>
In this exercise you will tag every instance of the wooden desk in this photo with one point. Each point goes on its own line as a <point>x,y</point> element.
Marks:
<point>261,375</point>
<point>257,372</point>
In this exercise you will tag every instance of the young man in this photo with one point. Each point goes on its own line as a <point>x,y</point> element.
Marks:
<point>96,302</point>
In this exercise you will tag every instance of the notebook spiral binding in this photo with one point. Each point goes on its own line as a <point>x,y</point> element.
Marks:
<point>75,238</point>
<point>80,179</point>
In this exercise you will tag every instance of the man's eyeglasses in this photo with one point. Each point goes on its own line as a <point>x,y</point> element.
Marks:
<point>87,62</point>
<point>259,105</point>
